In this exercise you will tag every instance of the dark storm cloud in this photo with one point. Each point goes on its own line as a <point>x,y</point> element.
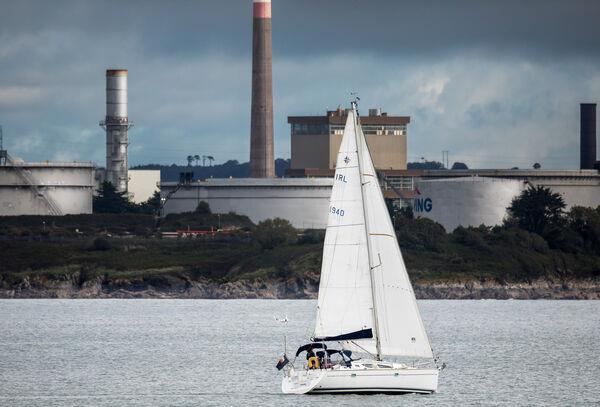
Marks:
<point>544,27</point>
<point>536,27</point>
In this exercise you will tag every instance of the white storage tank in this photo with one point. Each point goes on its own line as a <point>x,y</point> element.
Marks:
<point>47,188</point>
<point>302,201</point>
<point>465,201</point>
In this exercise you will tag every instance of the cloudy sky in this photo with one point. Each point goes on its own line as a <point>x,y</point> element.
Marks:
<point>497,83</point>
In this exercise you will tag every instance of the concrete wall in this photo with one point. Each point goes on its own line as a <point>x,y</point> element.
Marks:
<point>68,185</point>
<point>143,184</point>
<point>304,201</point>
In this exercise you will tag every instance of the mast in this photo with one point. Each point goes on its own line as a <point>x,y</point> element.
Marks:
<point>362,193</point>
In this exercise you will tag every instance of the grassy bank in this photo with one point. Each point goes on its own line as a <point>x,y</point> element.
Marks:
<point>129,247</point>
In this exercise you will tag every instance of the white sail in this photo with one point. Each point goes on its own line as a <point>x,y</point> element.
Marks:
<point>400,328</point>
<point>345,300</point>
<point>346,297</point>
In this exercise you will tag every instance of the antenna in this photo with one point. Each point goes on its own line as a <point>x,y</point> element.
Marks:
<point>3,153</point>
<point>354,103</point>
<point>445,160</point>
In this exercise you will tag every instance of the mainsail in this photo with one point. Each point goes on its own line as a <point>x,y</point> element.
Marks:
<point>345,301</point>
<point>365,279</point>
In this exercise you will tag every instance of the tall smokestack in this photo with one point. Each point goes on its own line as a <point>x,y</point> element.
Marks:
<point>588,136</point>
<point>262,164</point>
<point>116,125</point>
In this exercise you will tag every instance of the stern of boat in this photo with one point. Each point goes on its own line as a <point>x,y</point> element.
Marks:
<point>301,381</point>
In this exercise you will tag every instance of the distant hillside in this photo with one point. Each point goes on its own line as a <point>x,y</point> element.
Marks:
<point>435,165</point>
<point>231,168</point>
<point>427,165</point>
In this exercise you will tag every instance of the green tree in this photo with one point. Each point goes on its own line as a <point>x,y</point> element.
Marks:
<point>109,200</point>
<point>152,205</point>
<point>203,208</point>
<point>271,233</point>
<point>406,212</point>
<point>537,209</point>
<point>586,223</point>
<point>421,234</point>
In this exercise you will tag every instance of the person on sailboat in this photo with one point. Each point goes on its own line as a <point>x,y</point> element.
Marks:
<point>313,360</point>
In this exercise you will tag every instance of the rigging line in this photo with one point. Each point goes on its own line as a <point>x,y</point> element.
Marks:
<point>360,140</point>
<point>358,346</point>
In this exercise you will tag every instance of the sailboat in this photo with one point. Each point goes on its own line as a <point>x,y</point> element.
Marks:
<point>366,304</point>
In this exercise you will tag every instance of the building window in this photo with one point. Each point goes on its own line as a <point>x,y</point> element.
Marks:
<point>303,129</point>
<point>336,129</point>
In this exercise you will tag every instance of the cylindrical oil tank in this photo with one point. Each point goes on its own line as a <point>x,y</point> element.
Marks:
<point>587,136</point>
<point>46,188</point>
<point>116,93</point>
<point>465,201</point>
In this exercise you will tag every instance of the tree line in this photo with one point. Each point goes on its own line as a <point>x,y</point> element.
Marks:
<point>109,200</point>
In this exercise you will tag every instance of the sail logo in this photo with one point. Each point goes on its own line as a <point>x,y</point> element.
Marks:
<point>422,204</point>
<point>340,177</point>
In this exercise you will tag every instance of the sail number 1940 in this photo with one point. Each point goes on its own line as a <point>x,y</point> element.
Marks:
<point>336,211</point>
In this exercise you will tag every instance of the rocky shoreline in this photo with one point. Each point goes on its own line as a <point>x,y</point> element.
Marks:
<point>171,287</point>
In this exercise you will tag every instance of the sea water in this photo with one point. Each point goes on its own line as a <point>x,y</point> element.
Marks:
<point>223,352</point>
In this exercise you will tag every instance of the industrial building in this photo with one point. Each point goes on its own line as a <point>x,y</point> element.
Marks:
<point>450,197</point>
<point>316,139</point>
<point>46,188</point>
<point>143,184</point>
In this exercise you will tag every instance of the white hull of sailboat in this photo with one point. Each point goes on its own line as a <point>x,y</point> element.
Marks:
<point>403,380</point>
